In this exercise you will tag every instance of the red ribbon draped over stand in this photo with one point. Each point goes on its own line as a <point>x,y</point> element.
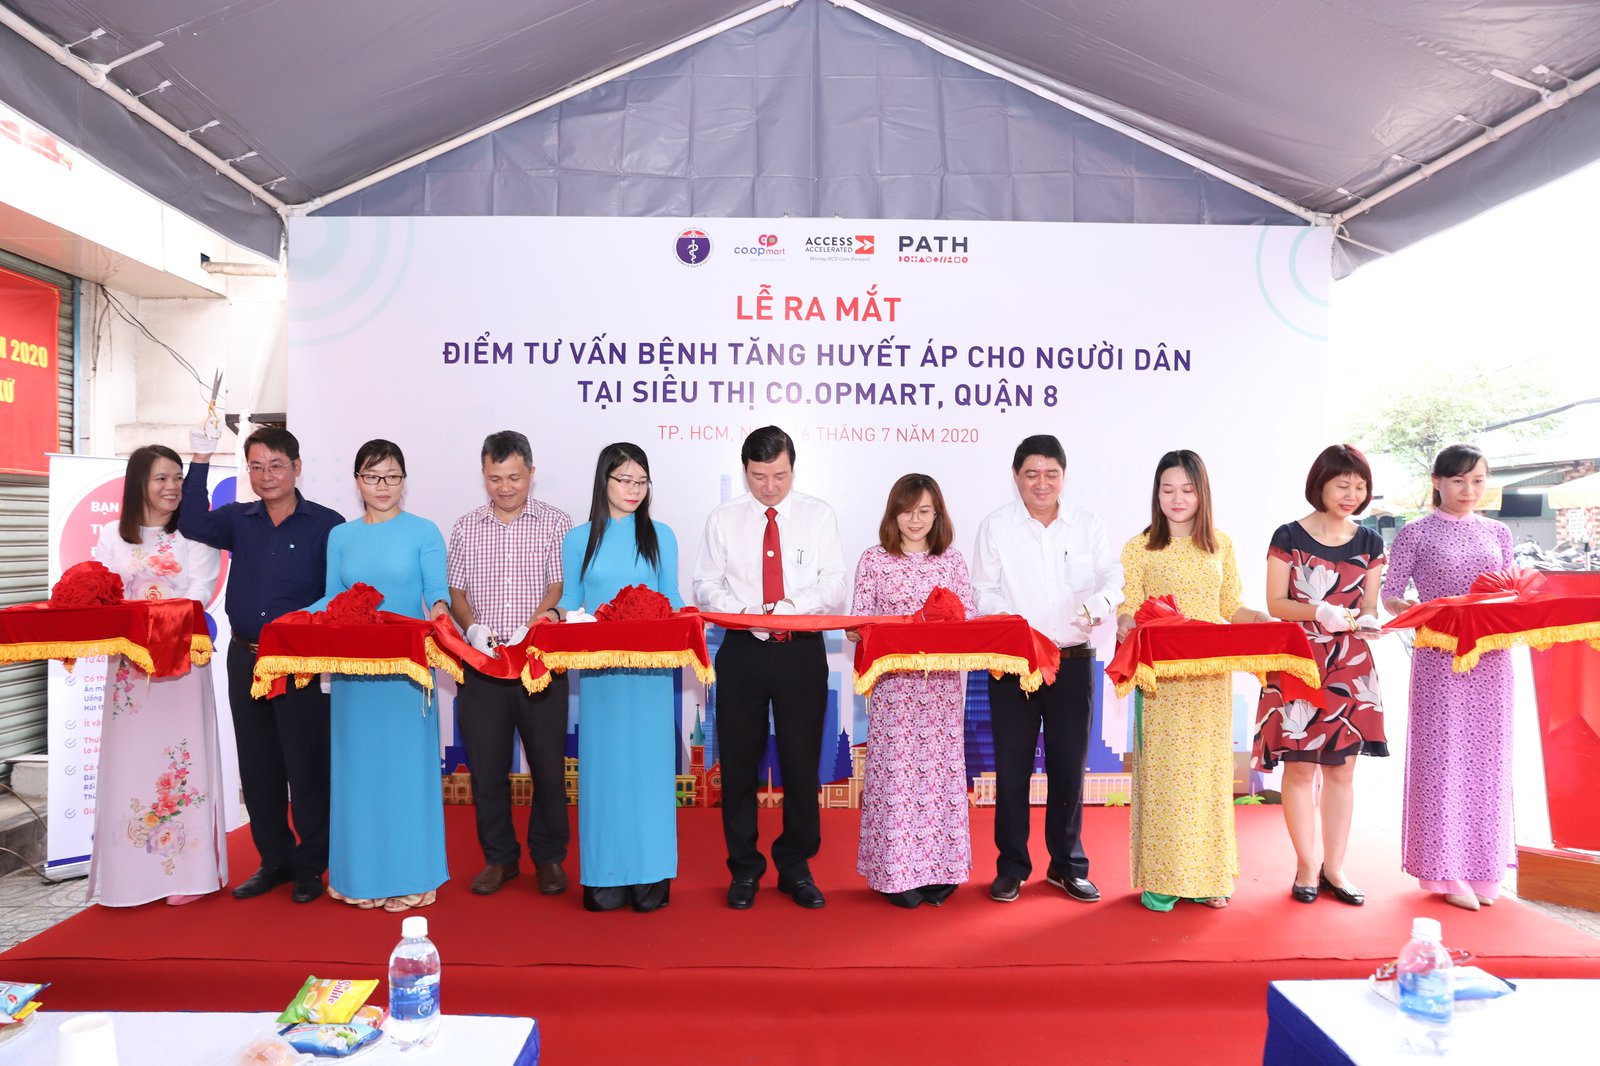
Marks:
<point>674,641</point>
<point>1166,644</point>
<point>1502,609</point>
<point>302,645</point>
<point>161,637</point>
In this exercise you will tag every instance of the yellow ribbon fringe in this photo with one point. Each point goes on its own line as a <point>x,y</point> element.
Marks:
<point>623,660</point>
<point>70,651</point>
<point>535,685</point>
<point>923,663</point>
<point>304,669</point>
<point>440,661</point>
<point>1145,676</point>
<point>1541,638</point>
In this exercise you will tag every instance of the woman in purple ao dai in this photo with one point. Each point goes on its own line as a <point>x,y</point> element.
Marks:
<point>915,843</point>
<point>1457,837</point>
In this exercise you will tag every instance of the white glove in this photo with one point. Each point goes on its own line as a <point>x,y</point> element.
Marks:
<point>579,616</point>
<point>1368,621</point>
<point>1333,619</point>
<point>203,441</point>
<point>481,637</point>
<point>784,607</point>
<point>517,635</point>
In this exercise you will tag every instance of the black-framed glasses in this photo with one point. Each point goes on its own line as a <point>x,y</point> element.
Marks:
<point>390,480</point>
<point>630,483</point>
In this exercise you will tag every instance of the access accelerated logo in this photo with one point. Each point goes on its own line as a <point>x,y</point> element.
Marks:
<point>693,247</point>
<point>841,247</point>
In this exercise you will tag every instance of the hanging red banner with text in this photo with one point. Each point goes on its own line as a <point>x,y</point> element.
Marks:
<point>29,400</point>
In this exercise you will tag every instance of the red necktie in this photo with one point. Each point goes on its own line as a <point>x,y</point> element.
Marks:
<point>771,561</point>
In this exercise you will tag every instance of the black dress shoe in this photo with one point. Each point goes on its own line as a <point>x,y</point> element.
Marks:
<point>651,897</point>
<point>742,893</point>
<point>307,887</point>
<point>604,897</point>
<point>804,892</point>
<point>1354,898</point>
<point>910,899</point>
<point>1005,889</point>
<point>1079,888</point>
<point>262,882</point>
<point>936,894</point>
<point>1303,893</point>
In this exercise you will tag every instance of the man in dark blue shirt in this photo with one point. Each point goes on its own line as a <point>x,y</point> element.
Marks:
<point>279,544</point>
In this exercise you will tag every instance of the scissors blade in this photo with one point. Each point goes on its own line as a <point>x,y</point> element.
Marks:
<point>216,386</point>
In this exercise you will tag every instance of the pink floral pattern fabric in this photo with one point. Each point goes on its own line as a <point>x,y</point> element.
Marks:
<point>156,826</point>
<point>914,800</point>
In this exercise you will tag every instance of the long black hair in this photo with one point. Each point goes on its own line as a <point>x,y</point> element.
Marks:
<point>644,530</point>
<point>135,483</point>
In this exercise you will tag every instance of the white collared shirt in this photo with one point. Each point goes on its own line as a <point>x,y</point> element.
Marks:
<point>727,572</point>
<point>1047,574</point>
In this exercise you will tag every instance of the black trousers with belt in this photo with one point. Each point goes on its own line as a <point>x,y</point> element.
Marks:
<point>283,764</point>
<point>1065,710</point>
<point>492,714</point>
<point>791,679</point>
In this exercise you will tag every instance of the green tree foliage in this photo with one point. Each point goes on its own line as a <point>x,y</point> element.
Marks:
<point>1413,425</point>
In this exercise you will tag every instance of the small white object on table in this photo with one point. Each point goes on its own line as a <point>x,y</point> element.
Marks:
<point>1543,1021</point>
<point>169,1038</point>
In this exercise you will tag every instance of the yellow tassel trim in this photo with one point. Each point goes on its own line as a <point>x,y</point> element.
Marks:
<point>625,660</point>
<point>200,649</point>
<point>440,661</point>
<point>69,651</point>
<point>922,663</point>
<point>534,685</point>
<point>1145,676</point>
<point>304,669</point>
<point>1541,638</point>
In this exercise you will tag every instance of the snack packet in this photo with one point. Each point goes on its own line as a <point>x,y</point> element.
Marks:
<point>335,1040</point>
<point>371,1014</point>
<point>21,1015</point>
<point>326,1001</point>
<point>14,996</point>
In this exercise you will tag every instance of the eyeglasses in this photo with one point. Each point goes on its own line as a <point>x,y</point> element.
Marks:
<point>277,469</point>
<point>631,483</point>
<point>382,479</point>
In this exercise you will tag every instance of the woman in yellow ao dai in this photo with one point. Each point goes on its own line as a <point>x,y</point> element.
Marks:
<point>1181,837</point>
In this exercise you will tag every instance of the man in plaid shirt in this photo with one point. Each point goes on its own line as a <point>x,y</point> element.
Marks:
<point>504,573</point>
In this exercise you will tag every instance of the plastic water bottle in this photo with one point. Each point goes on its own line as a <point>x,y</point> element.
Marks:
<point>413,987</point>
<point>1427,991</point>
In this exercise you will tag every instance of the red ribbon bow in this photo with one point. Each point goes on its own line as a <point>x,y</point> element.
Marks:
<point>355,606</point>
<point>87,584</point>
<point>636,603</point>
<point>942,605</point>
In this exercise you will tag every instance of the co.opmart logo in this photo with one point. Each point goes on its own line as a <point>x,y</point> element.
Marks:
<point>693,247</point>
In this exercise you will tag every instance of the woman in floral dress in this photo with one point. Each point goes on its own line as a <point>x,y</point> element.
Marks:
<point>1323,572</point>
<point>915,844</point>
<point>1181,840</point>
<point>1457,836</point>
<point>158,823</point>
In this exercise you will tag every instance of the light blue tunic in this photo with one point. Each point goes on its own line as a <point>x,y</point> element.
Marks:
<point>386,810</point>
<point>627,753</point>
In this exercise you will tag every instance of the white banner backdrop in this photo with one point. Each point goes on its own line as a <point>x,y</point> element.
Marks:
<point>86,494</point>
<point>883,347</point>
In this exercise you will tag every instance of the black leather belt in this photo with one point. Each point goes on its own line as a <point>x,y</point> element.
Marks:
<point>247,645</point>
<point>1078,651</point>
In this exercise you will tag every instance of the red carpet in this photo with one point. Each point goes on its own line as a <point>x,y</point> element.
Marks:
<point>1042,979</point>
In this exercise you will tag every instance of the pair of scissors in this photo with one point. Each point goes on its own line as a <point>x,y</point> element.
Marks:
<point>212,423</point>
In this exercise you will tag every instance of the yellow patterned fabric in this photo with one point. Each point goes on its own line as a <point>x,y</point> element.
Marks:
<point>1181,835</point>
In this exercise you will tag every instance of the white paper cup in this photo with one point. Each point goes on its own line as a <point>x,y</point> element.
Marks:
<point>87,1040</point>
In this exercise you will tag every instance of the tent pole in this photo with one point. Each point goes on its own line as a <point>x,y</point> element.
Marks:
<point>1548,101</point>
<point>534,108</point>
<point>97,76</point>
<point>960,55</point>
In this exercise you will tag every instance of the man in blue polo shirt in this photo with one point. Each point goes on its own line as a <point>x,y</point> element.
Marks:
<point>279,544</point>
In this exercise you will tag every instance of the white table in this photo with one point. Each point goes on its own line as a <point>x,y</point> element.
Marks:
<point>1347,1023</point>
<point>206,1039</point>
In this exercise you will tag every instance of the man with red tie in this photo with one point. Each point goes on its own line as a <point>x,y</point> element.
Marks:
<point>773,551</point>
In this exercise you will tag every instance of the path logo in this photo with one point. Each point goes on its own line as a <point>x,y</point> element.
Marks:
<point>693,247</point>
<point>866,244</point>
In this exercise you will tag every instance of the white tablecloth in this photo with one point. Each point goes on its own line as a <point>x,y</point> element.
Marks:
<point>204,1039</point>
<point>1543,1021</point>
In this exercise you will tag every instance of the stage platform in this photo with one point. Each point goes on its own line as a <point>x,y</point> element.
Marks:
<point>1044,979</point>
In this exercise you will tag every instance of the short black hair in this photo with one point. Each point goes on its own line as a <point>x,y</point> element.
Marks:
<point>1044,444</point>
<point>274,439</point>
<point>498,447</point>
<point>765,445</point>
<point>376,451</point>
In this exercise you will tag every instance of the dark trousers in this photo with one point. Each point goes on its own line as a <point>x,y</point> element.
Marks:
<point>1065,710</point>
<point>492,714</point>
<point>283,760</point>
<point>791,678</point>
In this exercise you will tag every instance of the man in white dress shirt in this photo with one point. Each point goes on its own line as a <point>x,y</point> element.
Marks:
<point>772,551</point>
<point>1050,562</point>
